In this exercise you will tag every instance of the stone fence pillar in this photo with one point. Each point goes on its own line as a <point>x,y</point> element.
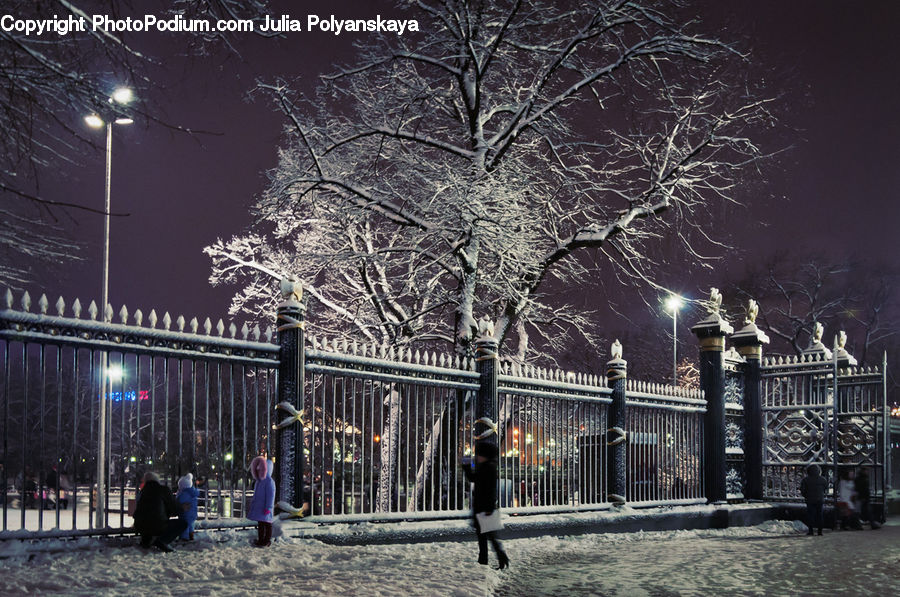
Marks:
<point>749,342</point>
<point>616,434</point>
<point>711,333</point>
<point>486,424</point>
<point>290,457</point>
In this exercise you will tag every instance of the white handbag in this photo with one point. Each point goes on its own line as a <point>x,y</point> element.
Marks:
<point>489,522</point>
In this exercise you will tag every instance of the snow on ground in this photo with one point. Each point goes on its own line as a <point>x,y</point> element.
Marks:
<point>775,558</point>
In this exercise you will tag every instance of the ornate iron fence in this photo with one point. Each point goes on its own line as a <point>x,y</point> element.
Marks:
<point>174,401</point>
<point>552,429</point>
<point>385,431</point>
<point>88,406</point>
<point>665,451</point>
<point>819,411</point>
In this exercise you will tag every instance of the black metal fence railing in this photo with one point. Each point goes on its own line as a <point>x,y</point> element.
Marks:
<point>817,410</point>
<point>173,401</point>
<point>367,433</point>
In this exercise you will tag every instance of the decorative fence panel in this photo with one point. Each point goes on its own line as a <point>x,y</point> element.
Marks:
<point>862,432</point>
<point>804,424</point>
<point>734,426</point>
<point>171,401</point>
<point>665,446</point>
<point>384,435</point>
<point>552,432</point>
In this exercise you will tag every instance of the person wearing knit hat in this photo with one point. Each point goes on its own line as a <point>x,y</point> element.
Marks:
<point>187,499</point>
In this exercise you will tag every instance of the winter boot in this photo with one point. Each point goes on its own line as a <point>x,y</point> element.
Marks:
<point>502,560</point>
<point>482,558</point>
<point>162,546</point>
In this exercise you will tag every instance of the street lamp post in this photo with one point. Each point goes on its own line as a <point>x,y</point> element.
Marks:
<point>673,304</point>
<point>120,96</point>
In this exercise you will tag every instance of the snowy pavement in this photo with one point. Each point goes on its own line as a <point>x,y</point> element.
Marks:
<point>770,559</point>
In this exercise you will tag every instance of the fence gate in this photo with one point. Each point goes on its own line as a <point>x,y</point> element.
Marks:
<point>817,413</point>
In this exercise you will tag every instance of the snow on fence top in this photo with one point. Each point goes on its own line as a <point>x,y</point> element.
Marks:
<point>664,391</point>
<point>555,375</point>
<point>816,359</point>
<point>73,329</point>
<point>403,355</point>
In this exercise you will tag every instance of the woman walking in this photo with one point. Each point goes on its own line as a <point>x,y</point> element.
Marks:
<point>483,475</point>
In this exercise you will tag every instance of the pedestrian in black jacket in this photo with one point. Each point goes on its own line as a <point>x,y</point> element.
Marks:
<point>813,488</point>
<point>484,498</point>
<point>154,512</point>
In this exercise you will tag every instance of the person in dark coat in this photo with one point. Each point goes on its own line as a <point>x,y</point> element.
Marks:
<point>861,486</point>
<point>154,514</point>
<point>483,475</point>
<point>813,488</point>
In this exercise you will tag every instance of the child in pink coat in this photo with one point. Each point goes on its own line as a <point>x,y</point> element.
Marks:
<point>262,505</point>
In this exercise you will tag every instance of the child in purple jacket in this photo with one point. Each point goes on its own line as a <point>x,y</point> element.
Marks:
<point>262,505</point>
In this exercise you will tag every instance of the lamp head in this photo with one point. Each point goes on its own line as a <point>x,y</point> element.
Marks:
<point>94,121</point>
<point>674,302</point>
<point>122,95</point>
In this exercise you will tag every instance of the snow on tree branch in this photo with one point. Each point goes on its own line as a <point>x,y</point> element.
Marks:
<point>447,177</point>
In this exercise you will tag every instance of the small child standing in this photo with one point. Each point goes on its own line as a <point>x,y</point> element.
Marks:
<point>187,500</point>
<point>263,503</point>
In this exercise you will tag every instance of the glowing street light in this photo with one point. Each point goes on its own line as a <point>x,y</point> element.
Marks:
<point>120,96</point>
<point>674,303</point>
<point>115,373</point>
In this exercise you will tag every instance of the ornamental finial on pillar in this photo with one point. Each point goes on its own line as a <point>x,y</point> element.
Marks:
<point>752,312</point>
<point>615,350</point>
<point>712,330</point>
<point>817,348</point>
<point>750,339</point>
<point>485,343</point>
<point>616,367</point>
<point>844,358</point>
<point>291,310</point>
<point>715,301</point>
<point>485,329</point>
<point>291,289</point>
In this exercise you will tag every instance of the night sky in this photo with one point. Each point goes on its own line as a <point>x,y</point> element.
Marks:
<point>835,67</point>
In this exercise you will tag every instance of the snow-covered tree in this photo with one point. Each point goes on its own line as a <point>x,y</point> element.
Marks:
<point>492,160</point>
